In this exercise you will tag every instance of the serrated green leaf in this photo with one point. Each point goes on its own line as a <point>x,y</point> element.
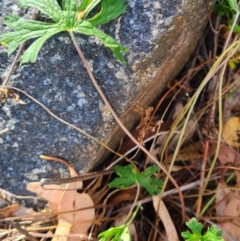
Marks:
<point>128,175</point>
<point>17,23</point>
<point>70,8</point>
<point>213,234</point>
<point>66,19</point>
<point>151,184</point>
<point>195,226</point>
<point>110,9</point>
<point>87,28</point>
<point>151,170</point>
<point>50,8</point>
<point>115,234</point>
<point>25,30</point>
<point>30,55</point>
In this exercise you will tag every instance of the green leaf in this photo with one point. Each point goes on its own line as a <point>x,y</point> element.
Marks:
<point>25,30</point>
<point>17,23</point>
<point>110,9</point>
<point>87,28</point>
<point>84,4</point>
<point>212,234</point>
<point>234,5</point>
<point>30,55</point>
<point>48,7</point>
<point>67,18</point>
<point>128,175</point>
<point>120,233</point>
<point>70,8</point>
<point>88,6</point>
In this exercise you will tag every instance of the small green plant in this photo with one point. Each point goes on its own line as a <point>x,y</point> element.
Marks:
<point>230,9</point>
<point>71,17</point>
<point>212,234</point>
<point>128,175</point>
<point>120,233</point>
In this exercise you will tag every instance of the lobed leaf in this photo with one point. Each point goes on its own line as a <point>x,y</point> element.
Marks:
<point>87,28</point>
<point>66,18</point>
<point>110,9</point>
<point>17,23</point>
<point>30,55</point>
<point>115,234</point>
<point>14,39</point>
<point>50,8</point>
<point>70,8</point>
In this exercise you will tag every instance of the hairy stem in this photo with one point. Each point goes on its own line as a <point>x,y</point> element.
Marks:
<point>100,92</point>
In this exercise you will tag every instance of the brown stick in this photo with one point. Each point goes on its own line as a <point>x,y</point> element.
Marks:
<point>86,65</point>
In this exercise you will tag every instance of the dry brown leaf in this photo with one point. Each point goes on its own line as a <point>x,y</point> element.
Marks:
<point>145,122</point>
<point>8,211</point>
<point>82,218</point>
<point>62,231</point>
<point>227,202</point>
<point>221,198</point>
<point>231,131</point>
<point>53,195</point>
<point>77,218</point>
<point>163,213</point>
<point>228,155</point>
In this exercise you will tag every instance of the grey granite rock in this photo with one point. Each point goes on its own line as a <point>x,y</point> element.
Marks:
<point>160,35</point>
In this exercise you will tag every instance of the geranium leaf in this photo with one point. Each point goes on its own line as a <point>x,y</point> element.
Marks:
<point>110,9</point>
<point>88,6</point>
<point>67,18</point>
<point>87,28</point>
<point>30,55</point>
<point>50,8</point>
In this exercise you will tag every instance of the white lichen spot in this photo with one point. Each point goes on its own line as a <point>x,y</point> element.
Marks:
<point>81,102</point>
<point>121,74</point>
<point>154,32</point>
<point>157,5</point>
<point>15,145</point>
<point>81,94</point>
<point>131,3</point>
<point>117,28</point>
<point>1,140</point>
<point>90,62</point>
<point>110,65</point>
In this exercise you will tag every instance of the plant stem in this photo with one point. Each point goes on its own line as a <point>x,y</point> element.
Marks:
<point>100,92</point>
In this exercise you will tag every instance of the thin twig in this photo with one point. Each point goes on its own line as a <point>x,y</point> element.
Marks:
<point>67,123</point>
<point>86,65</point>
<point>19,52</point>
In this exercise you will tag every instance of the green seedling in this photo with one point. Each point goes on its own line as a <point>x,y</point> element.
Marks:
<point>212,234</point>
<point>230,9</point>
<point>70,17</point>
<point>120,233</point>
<point>128,175</point>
